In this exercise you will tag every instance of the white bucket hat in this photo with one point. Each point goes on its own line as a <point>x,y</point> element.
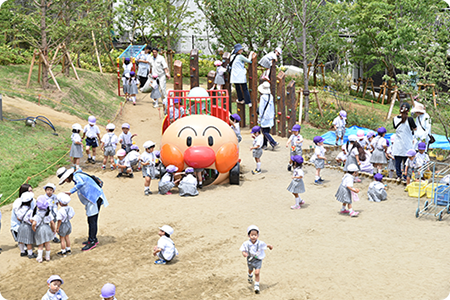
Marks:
<point>352,168</point>
<point>352,138</point>
<point>148,144</point>
<point>63,174</point>
<point>50,185</point>
<point>110,126</point>
<point>418,108</point>
<point>264,88</point>
<point>167,229</point>
<point>63,198</point>
<point>278,49</point>
<point>27,196</point>
<point>77,126</point>
<point>252,227</point>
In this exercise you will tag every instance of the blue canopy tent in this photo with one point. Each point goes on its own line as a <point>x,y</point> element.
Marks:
<point>131,52</point>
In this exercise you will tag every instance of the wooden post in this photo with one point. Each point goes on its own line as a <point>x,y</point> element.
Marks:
<point>194,68</point>
<point>280,115</point>
<point>178,76</point>
<point>392,104</point>
<point>434,95</point>
<point>96,52</point>
<point>226,75</point>
<point>309,68</point>
<point>253,89</point>
<point>211,77</point>
<point>70,61</point>
<point>39,69</point>
<point>31,69</point>
<point>385,86</point>
<point>419,86</point>
<point>300,110</point>
<point>323,73</point>
<point>359,83</point>
<point>315,92</point>
<point>373,89</point>
<point>50,71</point>
<point>273,91</point>
<point>54,56</point>
<point>292,104</point>
<point>365,82</point>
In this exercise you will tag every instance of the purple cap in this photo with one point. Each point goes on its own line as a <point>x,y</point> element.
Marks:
<point>318,139</point>
<point>343,114</point>
<point>256,129</point>
<point>126,125</point>
<point>108,290</point>
<point>157,153</point>
<point>296,127</point>
<point>381,130</point>
<point>176,100</point>
<point>422,146</point>
<point>236,117</point>
<point>378,177</point>
<point>297,158</point>
<point>53,278</point>
<point>189,170</point>
<point>388,143</point>
<point>411,153</point>
<point>42,203</point>
<point>171,169</point>
<point>92,120</point>
<point>132,73</point>
<point>127,59</point>
<point>370,134</point>
<point>134,147</point>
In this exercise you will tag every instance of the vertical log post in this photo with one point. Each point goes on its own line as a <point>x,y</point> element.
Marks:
<point>211,77</point>
<point>194,68</point>
<point>31,69</point>
<point>373,89</point>
<point>392,104</point>
<point>273,92</point>
<point>300,107</point>
<point>280,113</point>
<point>365,82</point>
<point>292,105</point>
<point>322,66</point>
<point>315,92</point>
<point>226,75</point>
<point>253,89</point>
<point>359,83</point>
<point>385,86</point>
<point>178,77</point>
<point>434,95</point>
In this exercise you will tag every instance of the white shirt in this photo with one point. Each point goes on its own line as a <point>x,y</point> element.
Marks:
<point>354,152</point>
<point>91,131</point>
<point>411,163</point>
<point>379,143</point>
<point>255,250</point>
<point>258,141</point>
<point>65,213</point>
<point>189,179</point>
<point>363,142</point>
<point>148,157</point>
<point>347,180</point>
<point>298,172</point>
<point>421,159</point>
<point>158,65</point>
<point>60,295</point>
<point>127,68</point>
<point>236,128</point>
<point>166,178</point>
<point>125,162</point>
<point>376,185</point>
<point>28,216</point>
<point>40,217</point>
<point>132,155</point>
<point>110,139</point>
<point>175,113</point>
<point>20,212</point>
<point>296,140</point>
<point>52,202</point>
<point>75,137</point>
<point>339,123</point>
<point>271,56</point>
<point>221,70</point>
<point>126,138</point>
<point>167,247</point>
<point>341,156</point>
<point>319,151</point>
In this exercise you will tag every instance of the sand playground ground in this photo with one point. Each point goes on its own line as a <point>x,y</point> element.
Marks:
<point>384,253</point>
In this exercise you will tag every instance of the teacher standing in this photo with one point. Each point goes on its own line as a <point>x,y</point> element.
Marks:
<point>239,75</point>
<point>423,122</point>
<point>91,196</point>
<point>159,68</point>
<point>404,135</point>
<point>266,114</point>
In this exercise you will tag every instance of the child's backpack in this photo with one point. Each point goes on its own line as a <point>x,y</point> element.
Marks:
<point>97,180</point>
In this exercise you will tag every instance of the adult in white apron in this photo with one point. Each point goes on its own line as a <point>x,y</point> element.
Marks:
<point>404,134</point>
<point>423,122</point>
<point>159,67</point>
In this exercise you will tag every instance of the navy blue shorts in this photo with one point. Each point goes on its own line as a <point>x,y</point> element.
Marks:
<point>91,142</point>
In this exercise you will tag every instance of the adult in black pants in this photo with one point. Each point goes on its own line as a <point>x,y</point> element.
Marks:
<point>404,134</point>
<point>266,114</point>
<point>91,196</point>
<point>143,64</point>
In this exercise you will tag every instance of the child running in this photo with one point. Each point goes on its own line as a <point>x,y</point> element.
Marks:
<point>25,233</point>
<point>165,250</point>
<point>55,291</point>
<point>108,292</point>
<point>168,181</point>
<point>379,145</point>
<point>296,142</point>
<point>319,158</point>
<point>253,250</point>
<point>410,165</point>
<point>44,228</point>
<point>126,138</point>
<point>92,134</point>
<point>339,126</point>
<point>76,151</point>
<point>148,162</point>
<point>344,192</point>
<point>109,145</point>
<point>377,190</point>
<point>188,184</point>
<point>64,227</point>
<point>234,124</point>
<point>257,148</point>
<point>297,186</point>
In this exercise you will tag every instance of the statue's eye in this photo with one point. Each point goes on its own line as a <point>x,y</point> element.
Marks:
<point>210,141</point>
<point>189,141</point>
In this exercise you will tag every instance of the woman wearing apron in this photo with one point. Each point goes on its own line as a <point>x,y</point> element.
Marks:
<point>404,134</point>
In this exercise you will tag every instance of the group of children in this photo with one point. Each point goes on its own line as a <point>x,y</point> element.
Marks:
<point>36,222</point>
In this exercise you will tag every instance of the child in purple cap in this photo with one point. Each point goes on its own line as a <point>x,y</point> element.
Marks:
<point>258,141</point>
<point>339,126</point>
<point>379,145</point>
<point>55,291</point>
<point>319,158</point>
<point>297,186</point>
<point>188,184</point>
<point>132,87</point>
<point>168,181</point>
<point>176,111</point>
<point>377,190</point>
<point>44,228</point>
<point>296,142</point>
<point>234,124</point>
<point>421,157</point>
<point>410,165</point>
<point>108,292</point>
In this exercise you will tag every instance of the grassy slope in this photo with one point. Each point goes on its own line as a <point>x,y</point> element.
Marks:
<point>26,151</point>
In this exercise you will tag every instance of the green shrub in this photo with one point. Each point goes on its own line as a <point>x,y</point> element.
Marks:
<point>9,55</point>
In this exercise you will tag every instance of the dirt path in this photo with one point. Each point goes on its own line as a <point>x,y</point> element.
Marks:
<point>385,253</point>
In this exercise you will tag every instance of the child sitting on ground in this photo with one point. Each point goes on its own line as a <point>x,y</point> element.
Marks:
<point>341,158</point>
<point>165,250</point>
<point>258,140</point>
<point>344,192</point>
<point>319,158</point>
<point>133,158</point>
<point>410,165</point>
<point>148,162</point>
<point>63,226</point>
<point>234,124</point>
<point>168,181</point>
<point>188,184</point>
<point>55,291</point>
<point>297,186</point>
<point>109,145</point>
<point>253,250</point>
<point>377,190</point>
<point>108,292</point>
<point>123,164</point>
<point>339,126</point>
<point>296,142</point>
<point>126,138</point>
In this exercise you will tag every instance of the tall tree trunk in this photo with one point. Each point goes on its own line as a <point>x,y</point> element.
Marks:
<point>305,63</point>
<point>168,39</point>
<point>44,45</point>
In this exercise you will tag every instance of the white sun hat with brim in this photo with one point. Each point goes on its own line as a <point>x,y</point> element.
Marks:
<point>63,174</point>
<point>167,229</point>
<point>352,168</point>
<point>352,138</point>
<point>264,88</point>
<point>63,198</point>
<point>110,126</point>
<point>77,126</point>
<point>50,185</point>
<point>27,196</point>
<point>149,144</point>
<point>418,108</point>
<point>252,227</point>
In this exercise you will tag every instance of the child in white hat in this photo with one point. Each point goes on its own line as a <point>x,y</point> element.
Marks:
<point>55,291</point>
<point>148,162</point>
<point>76,151</point>
<point>109,145</point>
<point>92,134</point>
<point>52,200</point>
<point>126,138</point>
<point>63,225</point>
<point>266,62</point>
<point>346,192</point>
<point>165,250</point>
<point>253,250</point>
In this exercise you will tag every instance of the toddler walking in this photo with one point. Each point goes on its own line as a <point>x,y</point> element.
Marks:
<point>377,190</point>
<point>132,87</point>
<point>379,145</point>
<point>155,94</point>
<point>253,250</point>
<point>148,162</point>
<point>125,88</point>
<point>258,140</point>
<point>109,145</point>
<point>297,186</point>
<point>55,291</point>
<point>296,142</point>
<point>345,190</point>
<point>64,227</point>
<point>319,158</point>
<point>76,151</point>
<point>165,250</point>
